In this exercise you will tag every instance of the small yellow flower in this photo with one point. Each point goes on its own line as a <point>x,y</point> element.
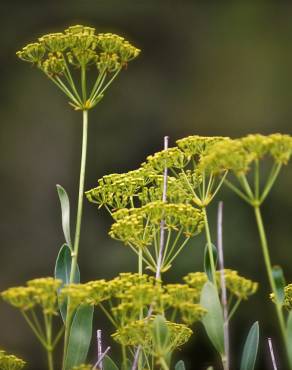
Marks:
<point>140,332</point>
<point>10,362</point>
<point>238,285</point>
<point>83,367</point>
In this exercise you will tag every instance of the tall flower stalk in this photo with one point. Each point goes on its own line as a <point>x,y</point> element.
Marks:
<point>66,59</point>
<point>243,157</point>
<point>136,201</point>
<point>198,186</point>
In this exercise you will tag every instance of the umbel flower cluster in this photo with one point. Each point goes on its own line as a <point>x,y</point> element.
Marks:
<point>125,297</point>
<point>144,221</point>
<point>197,169</point>
<point>10,362</point>
<point>156,210</point>
<point>196,166</point>
<point>61,55</point>
<point>237,285</point>
<point>40,292</point>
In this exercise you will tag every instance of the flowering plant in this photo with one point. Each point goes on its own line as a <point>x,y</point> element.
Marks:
<point>156,210</point>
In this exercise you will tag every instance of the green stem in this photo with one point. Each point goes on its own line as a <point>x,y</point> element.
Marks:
<point>163,364</point>
<point>150,260</point>
<point>50,359</point>
<point>58,337</point>
<point>48,324</point>
<point>83,83</point>
<point>63,88</point>
<point>110,81</point>
<point>236,191</point>
<point>166,247</point>
<point>203,186</point>
<point>264,245</point>
<point>218,187</point>
<point>170,258</point>
<point>140,271</point>
<point>37,323</point>
<point>97,85</point>
<point>168,254</point>
<point>156,248</point>
<point>244,183</point>
<point>108,315</point>
<point>209,245</point>
<point>80,197</point>
<point>273,176</point>
<point>145,260</point>
<point>74,253</point>
<point>257,178</point>
<point>173,315</point>
<point>124,357</point>
<point>70,80</point>
<point>33,328</point>
<point>209,188</point>
<point>196,198</point>
<point>140,261</point>
<point>234,308</point>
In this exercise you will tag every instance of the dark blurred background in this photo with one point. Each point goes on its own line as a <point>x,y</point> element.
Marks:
<point>207,68</point>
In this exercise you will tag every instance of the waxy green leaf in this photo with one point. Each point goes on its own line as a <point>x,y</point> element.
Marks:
<point>80,337</point>
<point>250,349</point>
<point>180,365</point>
<point>280,283</point>
<point>62,272</point>
<point>65,208</point>
<point>213,320</point>
<point>160,333</point>
<point>108,364</point>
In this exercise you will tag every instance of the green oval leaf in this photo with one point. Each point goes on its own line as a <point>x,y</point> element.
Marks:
<point>160,333</point>
<point>62,272</point>
<point>280,283</point>
<point>207,263</point>
<point>65,208</point>
<point>108,364</point>
<point>80,337</point>
<point>289,337</point>
<point>213,320</point>
<point>250,349</point>
<point>180,365</point>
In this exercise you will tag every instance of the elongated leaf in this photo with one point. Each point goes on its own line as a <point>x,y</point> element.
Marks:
<point>65,208</point>
<point>213,320</point>
<point>289,337</point>
<point>160,333</point>
<point>63,265</point>
<point>108,364</point>
<point>62,271</point>
<point>207,263</point>
<point>279,282</point>
<point>180,365</point>
<point>80,337</point>
<point>250,349</point>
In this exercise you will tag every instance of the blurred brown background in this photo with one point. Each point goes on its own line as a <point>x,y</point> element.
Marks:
<point>207,68</point>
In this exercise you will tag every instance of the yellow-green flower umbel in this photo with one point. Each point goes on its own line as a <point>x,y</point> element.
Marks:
<point>10,362</point>
<point>61,55</point>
